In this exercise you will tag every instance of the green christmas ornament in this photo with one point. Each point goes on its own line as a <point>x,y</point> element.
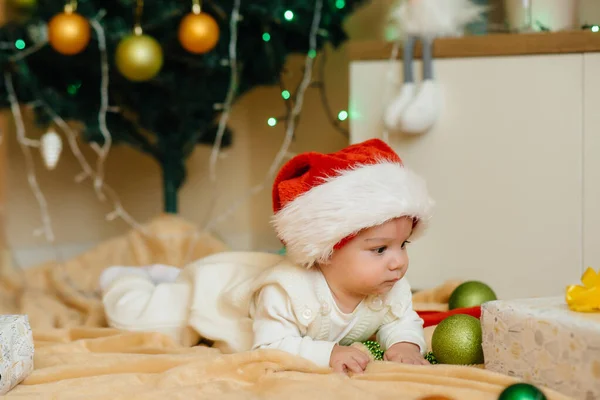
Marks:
<point>522,391</point>
<point>471,294</point>
<point>457,340</point>
<point>431,358</point>
<point>374,349</point>
<point>377,353</point>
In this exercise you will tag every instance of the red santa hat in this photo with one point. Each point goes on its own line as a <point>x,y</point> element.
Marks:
<point>321,200</point>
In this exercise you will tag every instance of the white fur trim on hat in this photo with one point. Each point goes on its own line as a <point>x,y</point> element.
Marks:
<point>362,197</point>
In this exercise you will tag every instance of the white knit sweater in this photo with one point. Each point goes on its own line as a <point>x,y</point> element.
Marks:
<point>246,300</point>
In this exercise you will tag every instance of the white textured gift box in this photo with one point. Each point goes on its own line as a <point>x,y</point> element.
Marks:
<point>542,341</point>
<point>16,351</point>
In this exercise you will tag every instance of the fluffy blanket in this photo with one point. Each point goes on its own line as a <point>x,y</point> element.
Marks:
<point>78,357</point>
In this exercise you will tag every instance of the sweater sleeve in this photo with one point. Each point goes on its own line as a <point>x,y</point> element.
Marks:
<point>276,327</point>
<point>405,324</point>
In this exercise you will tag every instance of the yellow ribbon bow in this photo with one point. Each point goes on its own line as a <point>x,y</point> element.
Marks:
<point>585,298</point>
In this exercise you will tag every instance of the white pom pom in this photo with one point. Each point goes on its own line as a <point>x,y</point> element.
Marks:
<point>50,148</point>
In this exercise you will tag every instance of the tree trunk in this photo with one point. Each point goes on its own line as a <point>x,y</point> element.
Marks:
<point>173,176</point>
<point>170,193</point>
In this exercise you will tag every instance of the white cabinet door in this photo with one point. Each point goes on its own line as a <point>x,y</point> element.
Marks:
<point>504,164</point>
<point>591,161</point>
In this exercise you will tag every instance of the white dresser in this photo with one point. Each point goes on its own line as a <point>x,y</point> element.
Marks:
<point>513,163</point>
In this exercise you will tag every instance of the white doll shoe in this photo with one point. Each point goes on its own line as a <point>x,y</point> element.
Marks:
<point>422,113</point>
<point>393,113</point>
<point>160,273</point>
<point>110,274</point>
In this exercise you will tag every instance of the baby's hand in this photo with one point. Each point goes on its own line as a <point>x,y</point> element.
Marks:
<point>405,353</point>
<point>346,358</point>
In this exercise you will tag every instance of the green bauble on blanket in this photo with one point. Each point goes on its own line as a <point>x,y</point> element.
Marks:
<point>522,391</point>
<point>457,340</point>
<point>470,294</point>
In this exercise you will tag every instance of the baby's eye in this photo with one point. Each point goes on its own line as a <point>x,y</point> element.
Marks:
<point>405,243</point>
<point>380,250</point>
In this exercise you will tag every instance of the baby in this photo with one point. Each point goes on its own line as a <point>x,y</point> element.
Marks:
<point>346,219</point>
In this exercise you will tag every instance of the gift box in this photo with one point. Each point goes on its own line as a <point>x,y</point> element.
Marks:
<point>16,351</point>
<point>544,342</point>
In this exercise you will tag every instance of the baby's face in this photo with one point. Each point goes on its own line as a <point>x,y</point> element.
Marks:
<point>374,260</point>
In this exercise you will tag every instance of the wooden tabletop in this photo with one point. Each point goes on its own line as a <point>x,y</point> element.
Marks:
<point>506,44</point>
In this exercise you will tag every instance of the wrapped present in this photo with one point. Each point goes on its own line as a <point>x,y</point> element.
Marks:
<point>545,342</point>
<point>16,351</point>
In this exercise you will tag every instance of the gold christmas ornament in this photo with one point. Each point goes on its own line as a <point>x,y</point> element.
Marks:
<point>139,57</point>
<point>50,148</point>
<point>68,32</point>
<point>198,32</point>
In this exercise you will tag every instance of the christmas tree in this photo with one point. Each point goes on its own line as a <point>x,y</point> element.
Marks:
<point>166,66</point>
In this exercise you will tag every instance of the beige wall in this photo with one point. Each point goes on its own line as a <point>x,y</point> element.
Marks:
<point>78,217</point>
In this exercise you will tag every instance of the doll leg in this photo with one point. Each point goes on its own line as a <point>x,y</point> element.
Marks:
<point>427,59</point>
<point>424,110</point>
<point>394,111</point>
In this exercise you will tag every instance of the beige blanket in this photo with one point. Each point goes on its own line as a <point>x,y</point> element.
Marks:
<point>78,357</point>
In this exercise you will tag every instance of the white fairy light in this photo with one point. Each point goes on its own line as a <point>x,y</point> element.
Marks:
<point>50,148</point>
<point>291,122</point>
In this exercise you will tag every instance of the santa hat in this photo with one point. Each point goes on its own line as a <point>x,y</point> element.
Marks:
<point>321,200</point>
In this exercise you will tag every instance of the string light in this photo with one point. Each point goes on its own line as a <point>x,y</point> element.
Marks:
<point>25,143</point>
<point>291,122</point>
<point>394,80</point>
<point>104,82</point>
<point>233,85</point>
<point>20,44</point>
<point>595,28</point>
<point>88,172</point>
<point>104,190</point>
<point>343,115</point>
<point>73,88</point>
<point>339,4</point>
<point>98,176</point>
<point>26,53</point>
<point>320,84</point>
